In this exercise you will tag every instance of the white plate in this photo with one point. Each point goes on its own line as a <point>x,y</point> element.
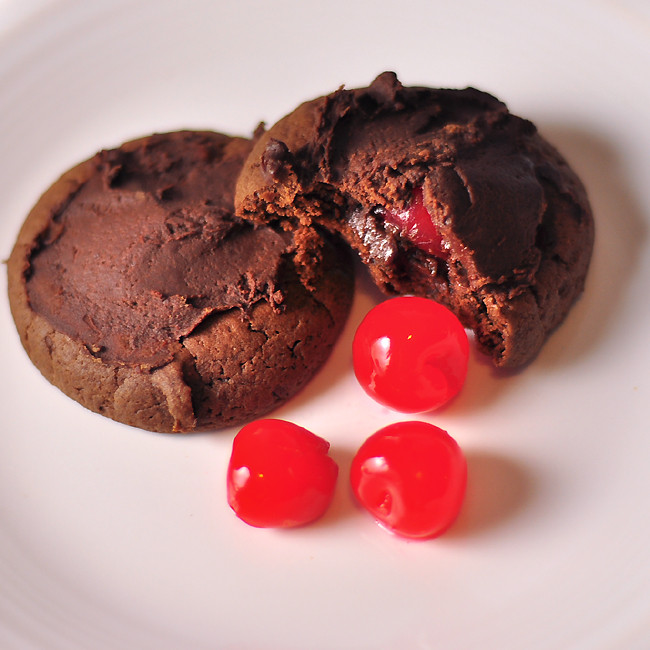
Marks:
<point>115,538</point>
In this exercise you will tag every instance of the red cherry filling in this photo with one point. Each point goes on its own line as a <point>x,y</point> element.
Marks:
<point>279,475</point>
<point>415,223</point>
<point>411,476</point>
<point>410,354</point>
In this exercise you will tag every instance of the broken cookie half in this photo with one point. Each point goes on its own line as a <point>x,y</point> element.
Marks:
<point>443,193</point>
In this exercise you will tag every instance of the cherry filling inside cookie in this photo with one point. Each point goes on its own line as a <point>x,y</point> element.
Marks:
<point>405,244</point>
<point>416,224</point>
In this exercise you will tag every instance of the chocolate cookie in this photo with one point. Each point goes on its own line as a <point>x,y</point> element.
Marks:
<point>138,293</point>
<point>443,193</point>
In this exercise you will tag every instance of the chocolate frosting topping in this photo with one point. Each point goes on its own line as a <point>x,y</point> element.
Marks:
<point>147,248</point>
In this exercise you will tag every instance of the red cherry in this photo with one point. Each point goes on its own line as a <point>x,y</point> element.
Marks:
<point>411,476</point>
<point>410,354</point>
<point>279,475</point>
<point>416,224</point>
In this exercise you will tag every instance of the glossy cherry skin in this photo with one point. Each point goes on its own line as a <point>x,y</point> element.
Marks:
<point>279,475</point>
<point>410,354</point>
<point>411,476</point>
<point>416,224</point>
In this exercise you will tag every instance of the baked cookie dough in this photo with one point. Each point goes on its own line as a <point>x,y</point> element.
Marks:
<point>512,227</point>
<point>138,293</point>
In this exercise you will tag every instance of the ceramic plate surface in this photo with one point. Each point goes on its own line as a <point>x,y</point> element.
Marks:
<point>115,538</point>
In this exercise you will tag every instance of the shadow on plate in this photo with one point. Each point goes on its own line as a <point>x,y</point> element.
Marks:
<point>498,488</point>
<point>621,236</point>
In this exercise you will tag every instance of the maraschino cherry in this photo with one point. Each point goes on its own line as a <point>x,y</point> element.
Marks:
<point>411,476</point>
<point>411,354</point>
<point>279,475</point>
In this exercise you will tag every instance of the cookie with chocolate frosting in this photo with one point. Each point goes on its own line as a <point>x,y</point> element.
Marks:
<point>139,294</point>
<point>443,193</point>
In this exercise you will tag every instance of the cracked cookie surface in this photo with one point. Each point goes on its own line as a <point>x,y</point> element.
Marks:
<point>138,293</point>
<point>514,220</point>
